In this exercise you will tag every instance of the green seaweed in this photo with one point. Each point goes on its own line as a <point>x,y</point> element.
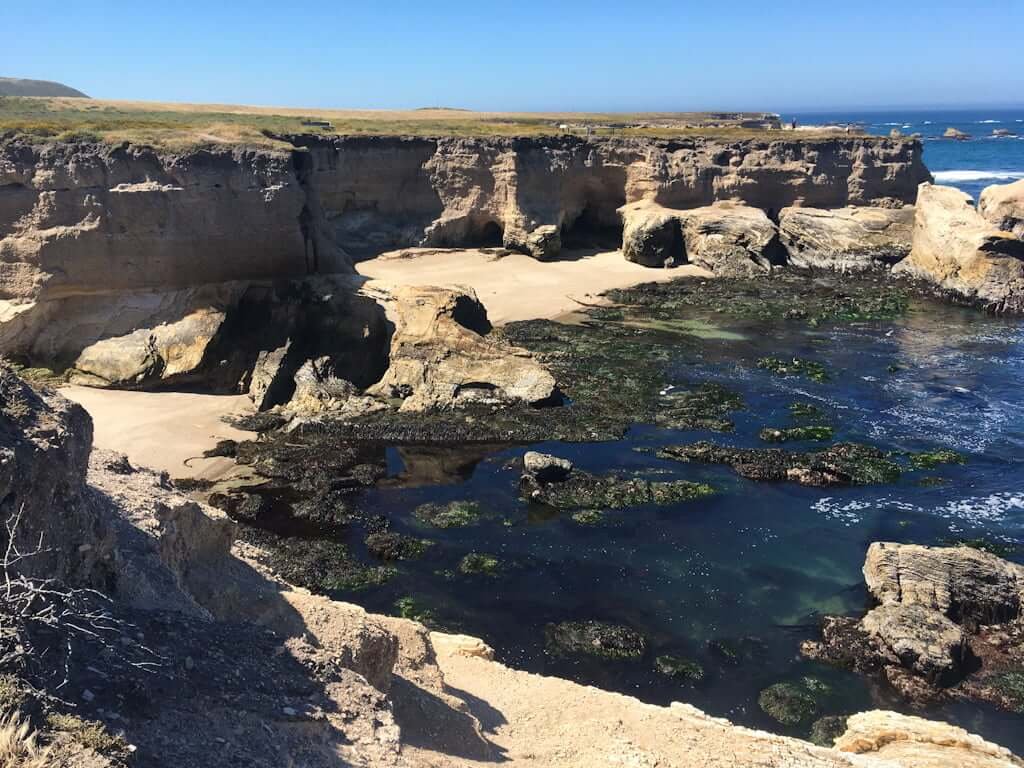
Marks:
<point>788,703</point>
<point>586,491</point>
<point>479,563</point>
<point>786,434</point>
<point>826,730</point>
<point>932,459</point>
<point>454,514</point>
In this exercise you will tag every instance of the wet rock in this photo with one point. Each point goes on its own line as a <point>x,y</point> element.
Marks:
<point>962,253</point>
<point>704,407</point>
<point>1003,206</point>
<point>439,361</point>
<point>840,464</point>
<point>388,546</point>
<point>794,367</point>
<point>932,459</point>
<point>825,730</point>
<point>243,507</point>
<point>582,490</point>
<point>479,563</point>
<point>735,651</point>
<point>786,434</point>
<point>226,448</point>
<point>788,703</point>
<point>594,638</point>
<point>850,239</point>
<point>679,668</point>
<point>545,468</point>
<point>454,514</point>
<point>317,564</point>
<point>923,640</point>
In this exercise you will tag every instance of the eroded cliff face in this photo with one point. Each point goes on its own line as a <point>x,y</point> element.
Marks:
<point>150,253</point>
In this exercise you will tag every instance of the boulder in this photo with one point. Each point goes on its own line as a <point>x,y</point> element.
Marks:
<point>962,253</point>
<point>318,390</point>
<point>1003,206</point>
<point>269,375</point>
<point>851,239</point>
<point>169,352</point>
<point>955,133</point>
<point>923,640</point>
<point>440,357</point>
<point>546,468</point>
<point>731,240</point>
<point>651,235</point>
<point>967,585</point>
<point>545,242</point>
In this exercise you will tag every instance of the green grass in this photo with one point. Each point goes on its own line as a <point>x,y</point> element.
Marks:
<point>183,125</point>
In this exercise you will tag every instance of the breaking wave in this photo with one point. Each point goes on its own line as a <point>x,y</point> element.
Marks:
<point>971,175</point>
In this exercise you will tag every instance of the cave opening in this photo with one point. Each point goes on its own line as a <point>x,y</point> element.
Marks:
<point>489,235</point>
<point>593,228</point>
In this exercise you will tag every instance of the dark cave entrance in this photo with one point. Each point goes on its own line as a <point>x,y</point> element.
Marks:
<point>596,227</point>
<point>489,235</point>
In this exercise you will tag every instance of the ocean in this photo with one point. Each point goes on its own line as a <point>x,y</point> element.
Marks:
<point>970,165</point>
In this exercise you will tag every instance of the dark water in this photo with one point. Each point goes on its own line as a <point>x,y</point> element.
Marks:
<point>757,561</point>
<point>970,165</point>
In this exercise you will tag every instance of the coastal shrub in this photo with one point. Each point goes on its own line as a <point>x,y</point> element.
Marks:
<point>89,733</point>
<point>19,747</point>
<point>1010,685</point>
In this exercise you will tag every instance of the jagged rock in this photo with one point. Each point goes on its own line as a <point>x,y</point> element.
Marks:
<point>319,392</point>
<point>969,586</point>
<point>959,251</point>
<point>1003,206</point>
<point>923,640</point>
<point>545,242</point>
<point>439,358</point>
<point>731,240</point>
<point>268,376</point>
<point>652,235</point>
<point>45,442</point>
<point>849,239</point>
<point>546,468</point>
<point>908,741</point>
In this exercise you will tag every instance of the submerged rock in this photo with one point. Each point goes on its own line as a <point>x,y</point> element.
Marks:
<point>582,490</point>
<point>704,407</point>
<point>786,434</point>
<point>826,730</point>
<point>388,545</point>
<point>839,464</point>
<point>454,514</point>
<point>788,703</point>
<point>595,638</point>
<point>479,563</point>
<point>679,668</point>
<point>794,367</point>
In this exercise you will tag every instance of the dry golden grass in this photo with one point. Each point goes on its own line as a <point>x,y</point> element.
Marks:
<point>182,125</point>
<point>18,746</point>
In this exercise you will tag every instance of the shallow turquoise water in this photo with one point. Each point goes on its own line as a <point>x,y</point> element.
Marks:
<point>758,561</point>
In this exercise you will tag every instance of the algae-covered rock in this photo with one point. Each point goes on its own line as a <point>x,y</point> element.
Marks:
<point>704,407</point>
<point>585,491</point>
<point>788,703</point>
<point>839,464</point>
<point>735,651</point>
<point>932,459</point>
<point>454,514</point>
<point>786,434</point>
<point>595,638</point>
<point>479,563</point>
<point>388,545</point>
<point>410,608</point>
<point>546,468</point>
<point>826,730</point>
<point>588,517</point>
<point>794,367</point>
<point>679,668</point>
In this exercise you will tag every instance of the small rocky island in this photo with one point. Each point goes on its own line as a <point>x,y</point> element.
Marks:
<point>145,608</point>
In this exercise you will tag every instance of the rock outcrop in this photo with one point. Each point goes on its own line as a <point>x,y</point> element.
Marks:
<point>441,355</point>
<point>851,239</point>
<point>727,238</point>
<point>960,252</point>
<point>948,625</point>
<point>1003,206</point>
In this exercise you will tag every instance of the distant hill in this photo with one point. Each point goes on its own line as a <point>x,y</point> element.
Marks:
<point>14,86</point>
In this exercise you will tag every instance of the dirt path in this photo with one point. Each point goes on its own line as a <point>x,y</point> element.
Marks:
<point>516,286</point>
<point>163,430</point>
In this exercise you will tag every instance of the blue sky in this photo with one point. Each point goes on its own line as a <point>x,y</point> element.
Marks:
<point>524,54</point>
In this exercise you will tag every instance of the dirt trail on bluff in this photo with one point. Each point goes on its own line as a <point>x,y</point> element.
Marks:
<point>515,286</point>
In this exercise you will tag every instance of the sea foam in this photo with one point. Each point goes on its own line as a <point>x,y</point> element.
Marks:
<point>972,175</point>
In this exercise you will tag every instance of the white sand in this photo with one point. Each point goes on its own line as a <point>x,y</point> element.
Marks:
<point>517,287</point>
<point>163,429</point>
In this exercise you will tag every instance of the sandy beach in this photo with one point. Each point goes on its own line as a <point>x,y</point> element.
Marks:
<point>163,430</point>
<point>516,286</point>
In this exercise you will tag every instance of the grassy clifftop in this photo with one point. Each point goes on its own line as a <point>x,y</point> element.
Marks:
<point>183,125</point>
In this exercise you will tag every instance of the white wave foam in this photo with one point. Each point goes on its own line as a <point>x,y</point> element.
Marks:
<point>971,175</point>
<point>973,511</point>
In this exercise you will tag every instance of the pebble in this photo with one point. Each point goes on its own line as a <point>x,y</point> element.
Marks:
<point>290,711</point>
